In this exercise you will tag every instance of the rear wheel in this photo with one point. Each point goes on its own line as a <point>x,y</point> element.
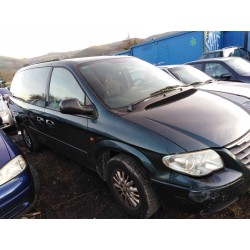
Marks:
<point>30,141</point>
<point>130,187</point>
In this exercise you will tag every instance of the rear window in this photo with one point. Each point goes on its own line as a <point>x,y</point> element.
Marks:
<point>29,85</point>
<point>212,55</point>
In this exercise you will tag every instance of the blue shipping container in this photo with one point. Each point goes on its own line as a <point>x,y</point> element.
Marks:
<point>183,47</point>
<point>175,49</point>
<point>237,38</point>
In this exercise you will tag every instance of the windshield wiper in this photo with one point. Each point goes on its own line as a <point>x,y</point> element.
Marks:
<point>164,90</point>
<point>197,83</point>
<point>159,92</point>
<point>209,81</point>
<point>130,106</point>
<point>194,83</point>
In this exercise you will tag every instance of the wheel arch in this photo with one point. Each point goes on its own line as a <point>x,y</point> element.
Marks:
<point>107,149</point>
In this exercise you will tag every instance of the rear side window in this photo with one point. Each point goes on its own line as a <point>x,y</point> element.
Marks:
<point>240,53</point>
<point>29,85</point>
<point>63,85</point>
<point>212,55</point>
<point>197,66</point>
<point>215,70</point>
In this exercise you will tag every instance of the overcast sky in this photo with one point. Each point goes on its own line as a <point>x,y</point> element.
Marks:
<point>31,28</point>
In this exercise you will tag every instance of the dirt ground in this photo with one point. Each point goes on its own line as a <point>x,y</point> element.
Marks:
<point>71,191</point>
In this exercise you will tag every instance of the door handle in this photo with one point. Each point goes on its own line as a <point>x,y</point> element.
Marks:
<point>40,119</point>
<point>50,123</point>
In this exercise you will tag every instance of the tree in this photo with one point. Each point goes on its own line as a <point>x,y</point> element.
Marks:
<point>128,42</point>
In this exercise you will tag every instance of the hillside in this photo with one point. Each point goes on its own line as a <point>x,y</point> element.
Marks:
<point>8,65</point>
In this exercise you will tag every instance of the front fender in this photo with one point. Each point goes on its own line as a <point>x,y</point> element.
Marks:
<point>120,147</point>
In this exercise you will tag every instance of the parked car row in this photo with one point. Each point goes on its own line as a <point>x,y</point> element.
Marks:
<point>187,74</point>
<point>153,139</point>
<point>225,69</point>
<point>232,51</point>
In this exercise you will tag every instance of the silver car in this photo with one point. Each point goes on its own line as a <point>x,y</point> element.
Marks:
<point>5,114</point>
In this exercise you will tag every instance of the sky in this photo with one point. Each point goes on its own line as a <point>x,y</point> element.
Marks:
<point>31,28</point>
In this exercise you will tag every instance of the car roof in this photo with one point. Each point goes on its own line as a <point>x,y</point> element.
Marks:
<point>219,50</point>
<point>215,59</point>
<point>72,61</point>
<point>171,66</point>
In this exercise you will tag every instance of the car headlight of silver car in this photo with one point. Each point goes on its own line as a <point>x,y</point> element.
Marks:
<point>3,113</point>
<point>196,163</point>
<point>12,168</point>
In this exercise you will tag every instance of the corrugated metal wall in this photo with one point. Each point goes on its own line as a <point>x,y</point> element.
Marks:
<point>176,49</point>
<point>183,47</point>
<point>233,38</point>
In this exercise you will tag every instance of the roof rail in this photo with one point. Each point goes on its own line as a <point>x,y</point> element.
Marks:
<point>52,60</point>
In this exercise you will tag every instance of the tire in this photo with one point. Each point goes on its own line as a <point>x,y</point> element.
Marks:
<point>35,177</point>
<point>31,143</point>
<point>130,187</point>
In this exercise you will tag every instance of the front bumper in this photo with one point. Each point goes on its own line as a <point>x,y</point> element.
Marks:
<point>207,195</point>
<point>18,195</point>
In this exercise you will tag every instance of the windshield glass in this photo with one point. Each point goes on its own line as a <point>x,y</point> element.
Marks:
<point>239,65</point>
<point>120,82</point>
<point>189,74</point>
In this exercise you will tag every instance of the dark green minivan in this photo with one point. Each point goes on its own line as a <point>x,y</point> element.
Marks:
<point>153,140</point>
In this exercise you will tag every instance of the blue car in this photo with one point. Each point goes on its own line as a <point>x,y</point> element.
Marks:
<point>18,180</point>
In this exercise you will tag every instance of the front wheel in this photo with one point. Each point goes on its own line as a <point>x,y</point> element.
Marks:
<point>130,187</point>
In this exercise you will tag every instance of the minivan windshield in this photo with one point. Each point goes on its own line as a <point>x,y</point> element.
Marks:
<point>122,81</point>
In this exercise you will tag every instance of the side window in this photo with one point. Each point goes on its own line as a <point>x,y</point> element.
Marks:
<point>197,66</point>
<point>244,54</point>
<point>240,53</point>
<point>29,85</point>
<point>63,86</point>
<point>236,52</point>
<point>215,70</point>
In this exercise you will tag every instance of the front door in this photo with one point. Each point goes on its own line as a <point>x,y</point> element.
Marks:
<point>66,133</point>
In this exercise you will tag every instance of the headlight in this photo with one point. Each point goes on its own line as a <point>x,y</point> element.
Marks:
<point>196,164</point>
<point>3,113</point>
<point>12,169</point>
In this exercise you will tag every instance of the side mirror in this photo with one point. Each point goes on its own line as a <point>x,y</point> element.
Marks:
<point>1,120</point>
<point>73,106</point>
<point>226,76</point>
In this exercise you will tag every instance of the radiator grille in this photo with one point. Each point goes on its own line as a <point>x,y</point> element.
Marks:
<point>241,150</point>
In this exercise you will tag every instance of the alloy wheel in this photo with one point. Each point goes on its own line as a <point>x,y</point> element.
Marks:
<point>126,189</point>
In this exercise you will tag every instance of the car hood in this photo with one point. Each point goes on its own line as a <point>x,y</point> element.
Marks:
<point>198,121</point>
<point>4,153</point>
<point>237,88</point>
